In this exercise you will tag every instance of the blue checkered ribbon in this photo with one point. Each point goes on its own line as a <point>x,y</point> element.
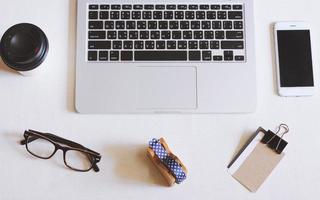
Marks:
<point>168,161</point>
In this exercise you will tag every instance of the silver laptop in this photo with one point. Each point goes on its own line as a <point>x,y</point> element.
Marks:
<point>174,56</point>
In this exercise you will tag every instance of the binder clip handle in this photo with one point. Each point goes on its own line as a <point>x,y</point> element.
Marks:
<point>274,141</point>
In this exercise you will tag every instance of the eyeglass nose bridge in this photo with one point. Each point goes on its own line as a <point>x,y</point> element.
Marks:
<point>62,148</point>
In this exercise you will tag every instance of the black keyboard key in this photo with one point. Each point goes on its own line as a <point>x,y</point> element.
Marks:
<point>160,44</point>
<point>137,7</point>
<point>239,58</point>
<point>104,14</point>
<point>144,35</point>
<point>141,24</point>
<point>215,7</point>
<point>103,56</point>
<point>116,44</point>
<point>133,34</point>
<point>216,25</point>
<point>146,15</point>
<point>206,55</point>
<point>115,7</point>
<point>104,7</point>
<point>120,24</point>
<point>237,7</point>
<point>204,7</point>
<point>157,15</point>
<point>228,55</point>
<point>163,24</point>
<point>122,35</point>
<point>187,34</point>
<point>182,44</point>
<point>99,45</point>
<point>160,7</point>
<point>165,34</point>
<point>114,15</point>
<point>208,35</point>
<point>93,7</point>
<point>114,55</point>
<point>155,34</point>
<point>195,24</point>
<point>176,34</point>
<point>238,25</point>
<point>222,15</point>
<point>200,14</point>
<point>184,25</point>
<point>226,7</point>
<point>189,14</point>
<point>206,24</point>
<point>193,7</point>
<point>194,55</point>
<point>198,34</point>
<point>182,7</point>
<point>127,44</point>
<point>125,14</point>
<point>178,15</point>
<point>160,55</point>
<point>126,55</point>
<point>93,14</point>
<point>149,44</point>
<point>92,55</point>
<point>130,24</point>
<point>214,45</point>
<point>126,7</point>
<point>109,25</point>
<point>217,58</point>
<point>235,15</point>
<point>204,44</point>
<point>168,14</point>
<point>232,45</point>
<point>171,44</point>
<point>136,15</point>
<point>171,7</point>
<point>152,25</point>
<point>174,25</point>
<point>95,25</point>
<point>97,35</point>
<point>138,44</point>
<point>227,25</point>
<point>234,34</point>
<point>112,35</point>
<point>219,34</point>
<point>211,14</point>
<point>193,44</point>
<point>148,7</point>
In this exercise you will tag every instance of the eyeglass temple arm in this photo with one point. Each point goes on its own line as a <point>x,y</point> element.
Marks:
<point>57,139</point>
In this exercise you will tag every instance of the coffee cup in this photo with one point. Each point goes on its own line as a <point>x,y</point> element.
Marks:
<point>24,47</point>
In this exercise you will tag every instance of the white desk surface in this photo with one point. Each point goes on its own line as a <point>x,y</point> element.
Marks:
<point>206,143</point>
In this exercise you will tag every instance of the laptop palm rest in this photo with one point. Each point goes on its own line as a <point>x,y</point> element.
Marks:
<point>166,88</point>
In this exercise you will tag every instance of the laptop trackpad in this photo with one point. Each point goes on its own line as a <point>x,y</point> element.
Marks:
<point>166,87</point>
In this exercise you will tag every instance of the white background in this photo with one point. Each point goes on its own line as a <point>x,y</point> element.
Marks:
<point>205,143</point>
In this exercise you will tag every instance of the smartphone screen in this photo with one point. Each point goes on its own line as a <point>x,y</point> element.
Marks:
<point>295,58</point>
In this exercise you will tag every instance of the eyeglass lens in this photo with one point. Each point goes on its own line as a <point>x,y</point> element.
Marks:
<point>40,147</point>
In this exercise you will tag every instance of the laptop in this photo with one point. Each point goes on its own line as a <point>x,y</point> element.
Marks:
<point>174,56</point>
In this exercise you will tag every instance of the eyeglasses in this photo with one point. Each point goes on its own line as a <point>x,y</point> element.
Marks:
<point>75,156</point>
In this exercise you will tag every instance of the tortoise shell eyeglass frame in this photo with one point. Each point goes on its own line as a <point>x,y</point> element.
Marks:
<point>93,157</point>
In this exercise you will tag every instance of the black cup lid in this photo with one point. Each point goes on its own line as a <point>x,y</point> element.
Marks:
<point>24,47</point>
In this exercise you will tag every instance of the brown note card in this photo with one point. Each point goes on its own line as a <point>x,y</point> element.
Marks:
<point>255,162</point>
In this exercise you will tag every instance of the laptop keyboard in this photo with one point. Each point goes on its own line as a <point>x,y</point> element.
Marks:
<point>172,32</point>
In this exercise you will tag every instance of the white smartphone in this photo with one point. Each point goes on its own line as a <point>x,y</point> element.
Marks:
<point>293,48</point>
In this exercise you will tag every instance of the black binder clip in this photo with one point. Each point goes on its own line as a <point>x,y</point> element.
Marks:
<point>273,141</point>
